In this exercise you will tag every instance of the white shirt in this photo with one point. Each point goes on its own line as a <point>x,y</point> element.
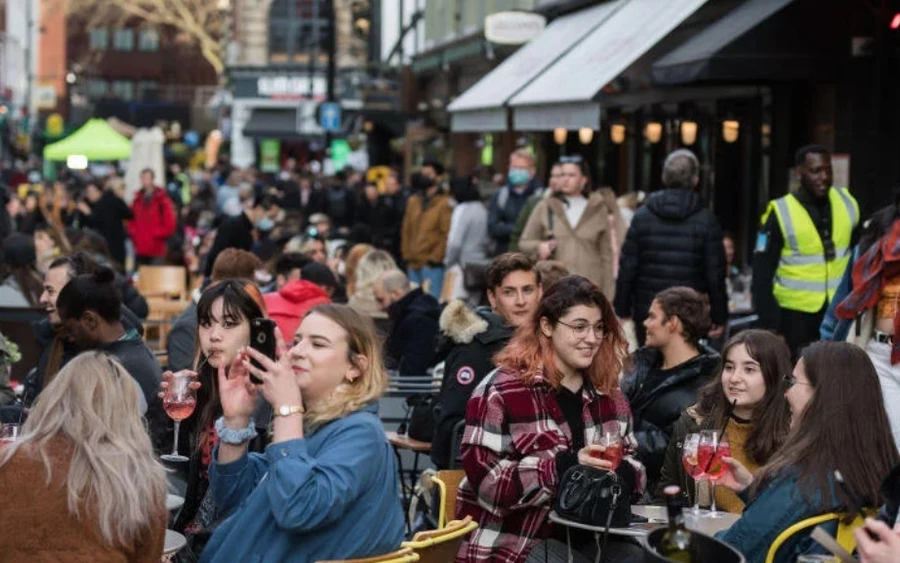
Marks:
<point>575,209</point>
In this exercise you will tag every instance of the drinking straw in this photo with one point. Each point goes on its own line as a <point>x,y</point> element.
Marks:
<point>721,433</point>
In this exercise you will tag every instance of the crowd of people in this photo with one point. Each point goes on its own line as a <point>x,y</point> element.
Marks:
<point>553,320</point>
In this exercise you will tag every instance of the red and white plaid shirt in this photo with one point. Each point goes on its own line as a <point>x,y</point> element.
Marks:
<point>513,433</point>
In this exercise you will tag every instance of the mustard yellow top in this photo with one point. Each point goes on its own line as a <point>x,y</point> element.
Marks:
<point>737,434</point>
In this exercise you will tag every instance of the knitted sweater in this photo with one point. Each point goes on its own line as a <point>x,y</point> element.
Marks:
<point>737,434</point>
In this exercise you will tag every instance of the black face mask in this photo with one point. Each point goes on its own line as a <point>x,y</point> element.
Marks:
<point>421,183</point>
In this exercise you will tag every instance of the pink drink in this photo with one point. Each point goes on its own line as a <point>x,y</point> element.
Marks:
<point>612,454</point>
<point>717,466</point>
<point>690,466</point>
<point>179,410</point>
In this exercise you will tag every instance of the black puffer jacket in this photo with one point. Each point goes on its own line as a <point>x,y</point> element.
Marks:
<point>673,240</point>
<point>658,397</point>
<point>410,348</point>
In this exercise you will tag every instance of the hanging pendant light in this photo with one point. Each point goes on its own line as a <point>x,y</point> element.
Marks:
<point>559,135</point>
<point>653,132</point>
<point>730,130</point>
<point>585,135</point>
<point>617,133</point>
<point>688,132</point>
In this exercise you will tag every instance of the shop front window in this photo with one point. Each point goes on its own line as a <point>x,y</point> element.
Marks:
<point>298,31</point>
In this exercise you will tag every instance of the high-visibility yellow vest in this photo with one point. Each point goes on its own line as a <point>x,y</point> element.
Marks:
<point>804,278</point>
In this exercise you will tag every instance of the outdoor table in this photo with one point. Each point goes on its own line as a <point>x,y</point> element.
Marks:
<point>657,517</point>
<point>174,502</point>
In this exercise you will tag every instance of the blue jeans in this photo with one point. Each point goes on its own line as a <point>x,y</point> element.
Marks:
<point>435,276</point>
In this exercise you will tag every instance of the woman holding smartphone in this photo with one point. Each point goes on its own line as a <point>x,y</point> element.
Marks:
<point>326,486</point>
<point>224,314</point>
<point>838,422</point>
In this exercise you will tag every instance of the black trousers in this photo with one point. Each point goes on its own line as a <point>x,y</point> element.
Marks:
<point>800,329</point>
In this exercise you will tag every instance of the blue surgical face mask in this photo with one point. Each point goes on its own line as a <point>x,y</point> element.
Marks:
<point>518,176</point>
<point>265,224</point>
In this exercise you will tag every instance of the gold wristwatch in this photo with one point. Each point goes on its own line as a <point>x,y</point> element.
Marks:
<point>288,410</point>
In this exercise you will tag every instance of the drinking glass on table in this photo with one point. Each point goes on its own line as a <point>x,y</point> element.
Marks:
<point>692,466</point>
<point>611,439</point>
<point>709,455</point>
<point>179,403</point>
<point>9,433</point>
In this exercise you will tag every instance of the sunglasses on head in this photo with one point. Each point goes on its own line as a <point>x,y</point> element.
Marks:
<point>574,159</point>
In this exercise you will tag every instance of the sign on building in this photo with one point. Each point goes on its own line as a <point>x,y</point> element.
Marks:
<point>513,28</point>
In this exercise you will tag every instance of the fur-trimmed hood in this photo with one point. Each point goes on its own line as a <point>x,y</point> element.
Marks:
<point>462,325</point>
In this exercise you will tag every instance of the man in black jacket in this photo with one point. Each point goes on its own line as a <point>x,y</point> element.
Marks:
<point>105,212</point>
<point>414,314</point>
<point>237,232</point>
<point>673,240</point>
<point>514,290</point>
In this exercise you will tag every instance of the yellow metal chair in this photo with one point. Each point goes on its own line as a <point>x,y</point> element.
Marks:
<point>404,555</point>
<point>440,546</point>
<point>844,533</point>
<point>447,482</point>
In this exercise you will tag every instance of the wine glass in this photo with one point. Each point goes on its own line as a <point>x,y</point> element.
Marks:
<point>179,403</point>
<point>692,466</point>
<point>709,454</point>
<point>611,439</point>
<point>9,433</point>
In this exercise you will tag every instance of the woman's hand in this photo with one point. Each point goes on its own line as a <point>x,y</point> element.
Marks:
<point>237,393</point>
<point>586,457</point>
<point>168,376</point>
<point>736,477</point>
<point>546,249</point>
<point>279,385</point>
<point>884,549</point>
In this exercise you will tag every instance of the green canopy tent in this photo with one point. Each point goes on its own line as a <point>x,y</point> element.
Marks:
<point>96,140</point>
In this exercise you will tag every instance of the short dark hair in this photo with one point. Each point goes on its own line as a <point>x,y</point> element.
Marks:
<point>692,309</point>
<point>464,189</point>
<point>91,292</point>
<point>289,262</point>
<point>435,165</point>
<point>77,264</point>
<point>507,263</point>
<point>800,155</point>
<point>234,263</point>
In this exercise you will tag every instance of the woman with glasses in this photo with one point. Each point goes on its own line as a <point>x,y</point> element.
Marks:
<point>554,394</point>
<point>838,423</point>
<point>662,378</point>
<point>578,227</point>
<point>747,393</point>
<point>82,482</point>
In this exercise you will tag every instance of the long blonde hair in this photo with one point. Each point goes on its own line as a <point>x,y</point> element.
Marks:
<point>93,404</point>
<point>370,385</point>
<point>371,265</point>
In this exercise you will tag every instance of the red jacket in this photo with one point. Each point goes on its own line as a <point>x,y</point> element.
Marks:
<point>288,306</point>
<point>153,223</point>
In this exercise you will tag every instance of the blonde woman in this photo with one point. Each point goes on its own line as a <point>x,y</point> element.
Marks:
<point>371,265</point>
<point>326,486</point>
<point>351,263</point>
<point>82,483</point>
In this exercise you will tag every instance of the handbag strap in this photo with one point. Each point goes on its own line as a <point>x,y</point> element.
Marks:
<point>617,492</point>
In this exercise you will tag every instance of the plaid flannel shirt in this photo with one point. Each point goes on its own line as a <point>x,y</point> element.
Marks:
<point>513,433</point>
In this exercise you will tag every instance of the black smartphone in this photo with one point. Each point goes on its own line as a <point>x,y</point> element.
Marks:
<point>262,339</point>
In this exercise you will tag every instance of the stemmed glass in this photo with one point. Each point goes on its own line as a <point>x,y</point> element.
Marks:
<point>690,461</point>
<point>9,433</point>
<point>709,454</point>
<point>179,403</point>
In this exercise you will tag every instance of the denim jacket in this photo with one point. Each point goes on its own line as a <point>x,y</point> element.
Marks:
<point>832,327</point>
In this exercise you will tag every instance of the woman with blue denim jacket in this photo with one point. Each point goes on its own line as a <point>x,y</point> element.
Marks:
<point>326,486</point>
<point>837,423</point>
<point>869,296</point>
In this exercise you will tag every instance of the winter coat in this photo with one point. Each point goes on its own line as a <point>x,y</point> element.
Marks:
<point>340,206</point>
<point>474,338</point>
<point>673,240</point>
<point>329,495</point>
<point>426,225</point>
<point>152,224</point>
<point>107,218</point>
<point>410,347</point>
<point>503,211</point>
<point>586,249</point>
<point>289,305</point>
<point>468,238</point>
<point>658,397</point>
<point>234,232</point>
<point>378,217</point>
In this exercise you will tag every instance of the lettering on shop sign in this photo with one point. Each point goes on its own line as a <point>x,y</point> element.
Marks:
<point>290,87</point>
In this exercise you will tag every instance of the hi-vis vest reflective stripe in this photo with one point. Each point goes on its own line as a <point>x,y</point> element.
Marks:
<point>804,279</point>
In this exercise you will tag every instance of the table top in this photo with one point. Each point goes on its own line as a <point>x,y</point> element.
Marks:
<point>174,502</point>
<point>174,542</point>
<point>657,517</point>
<point>405,442</point>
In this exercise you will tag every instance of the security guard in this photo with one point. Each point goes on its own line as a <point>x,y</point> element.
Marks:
<point>802,250</point>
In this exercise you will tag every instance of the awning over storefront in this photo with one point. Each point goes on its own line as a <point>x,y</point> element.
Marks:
<point>274,123</point>
<point>565,94</point>
<point>695,59</point>
<point>483,106</point>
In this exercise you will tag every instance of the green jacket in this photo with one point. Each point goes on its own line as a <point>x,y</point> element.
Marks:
<point>530,204</point>
<point>672,470</point>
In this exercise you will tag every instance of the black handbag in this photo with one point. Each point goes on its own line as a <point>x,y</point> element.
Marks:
<point>420,420</point>
<point>594,497</point>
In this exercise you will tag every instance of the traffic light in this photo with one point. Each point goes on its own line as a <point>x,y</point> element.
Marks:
<point>361,14</point>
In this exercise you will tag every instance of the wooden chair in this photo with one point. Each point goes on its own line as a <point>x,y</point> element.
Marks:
<point>162,313</point>
<point>168,282</point>
<point>844,533</point>
<point>403,555</point>
<point>439,546</point>
<point>447,482</point>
